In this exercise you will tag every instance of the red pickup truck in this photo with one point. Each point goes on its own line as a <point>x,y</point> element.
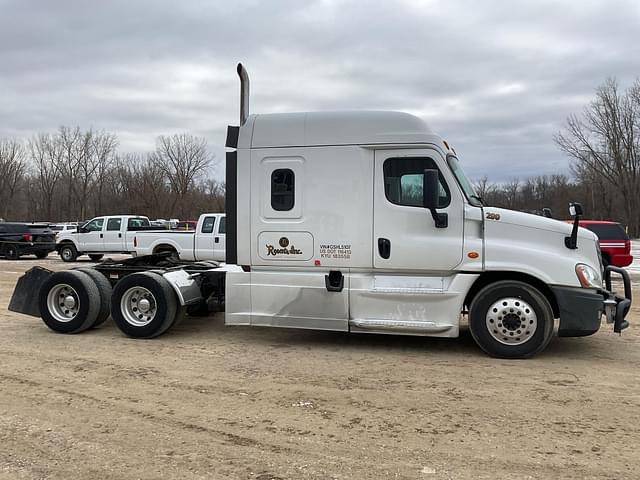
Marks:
<point>614,242</point>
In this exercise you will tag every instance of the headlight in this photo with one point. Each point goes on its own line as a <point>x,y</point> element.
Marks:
<point>588,276</point>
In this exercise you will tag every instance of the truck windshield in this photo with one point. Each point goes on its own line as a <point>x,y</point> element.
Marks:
<point>463,181</point>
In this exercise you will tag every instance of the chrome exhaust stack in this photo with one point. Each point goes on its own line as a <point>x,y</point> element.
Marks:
<point>244,93</point>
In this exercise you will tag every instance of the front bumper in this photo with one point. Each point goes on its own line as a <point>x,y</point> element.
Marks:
<point>581,309</point>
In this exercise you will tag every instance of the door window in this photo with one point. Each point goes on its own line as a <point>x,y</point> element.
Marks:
<point>222,229</point>
<point>94,225</point>
<point>282,189</point>
<point>403,179</point>
<point>113,224</point>
<point>207,225</point>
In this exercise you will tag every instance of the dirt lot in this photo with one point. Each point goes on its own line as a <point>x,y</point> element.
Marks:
<point>208,401</point>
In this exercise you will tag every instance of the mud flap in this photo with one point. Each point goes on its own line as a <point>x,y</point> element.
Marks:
<point>25,295</point>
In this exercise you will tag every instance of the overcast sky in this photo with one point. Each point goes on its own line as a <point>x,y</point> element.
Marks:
<point>496,79</point>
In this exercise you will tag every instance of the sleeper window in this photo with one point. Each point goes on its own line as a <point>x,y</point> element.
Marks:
<point>282,189</point>
<point>403,181</point>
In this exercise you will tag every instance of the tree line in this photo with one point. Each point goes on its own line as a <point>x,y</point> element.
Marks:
<point>74,174</point>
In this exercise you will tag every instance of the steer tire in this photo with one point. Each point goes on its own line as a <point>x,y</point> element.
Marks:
<point>96,257</point>
<point>511,319</point>
<point>68,253</point>
<point>139,323</point>
<point>80,287</point>
<point>105,290</point>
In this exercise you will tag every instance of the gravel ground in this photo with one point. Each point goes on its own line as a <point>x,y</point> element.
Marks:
<point>208,401</point>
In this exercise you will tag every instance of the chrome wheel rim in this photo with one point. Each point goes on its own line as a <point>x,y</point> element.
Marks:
<point>138,306</point>
<point>511,321</point>
<point>66,254</point>
<point>63,303</point>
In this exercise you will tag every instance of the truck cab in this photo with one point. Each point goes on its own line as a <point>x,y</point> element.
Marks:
<point>366,222</point>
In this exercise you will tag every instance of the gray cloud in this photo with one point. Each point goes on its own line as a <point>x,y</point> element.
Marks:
<point>497,79</point>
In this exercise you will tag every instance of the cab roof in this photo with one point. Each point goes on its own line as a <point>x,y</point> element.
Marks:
<point>308,129</point>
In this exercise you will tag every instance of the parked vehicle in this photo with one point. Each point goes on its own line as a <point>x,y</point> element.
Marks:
<point>615,244</point>
<point>17,239</point>
<point>100,235</point>
<point>205,241</point>
<point>63,227</point>
<point>359,222</point>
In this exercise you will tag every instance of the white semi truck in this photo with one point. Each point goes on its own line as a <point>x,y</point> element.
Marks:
<point>360,222</point>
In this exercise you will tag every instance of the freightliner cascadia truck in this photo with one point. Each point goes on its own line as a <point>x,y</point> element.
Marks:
<point>358,222</point>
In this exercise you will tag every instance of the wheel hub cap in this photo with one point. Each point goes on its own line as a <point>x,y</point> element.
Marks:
<point>144,305</point>
<point>69,301</point>
<point>511,321</point>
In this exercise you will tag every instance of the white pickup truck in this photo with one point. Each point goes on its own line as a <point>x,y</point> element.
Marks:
<point>100,235</point>
<point>207,242</point>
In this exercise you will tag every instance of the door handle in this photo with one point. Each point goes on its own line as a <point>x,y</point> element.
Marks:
<point>119,235</point>
<point>384,247</point>
<point>101,236</point>
<point>216,239</point>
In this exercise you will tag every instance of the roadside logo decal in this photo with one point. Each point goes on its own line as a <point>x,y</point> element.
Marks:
<point>284,250</point>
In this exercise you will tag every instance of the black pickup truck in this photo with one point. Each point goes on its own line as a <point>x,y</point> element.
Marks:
<point>18,239</point>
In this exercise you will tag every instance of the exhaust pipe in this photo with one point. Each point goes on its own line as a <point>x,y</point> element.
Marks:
<point>244,93</point>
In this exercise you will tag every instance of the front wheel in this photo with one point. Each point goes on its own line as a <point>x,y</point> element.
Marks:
<point>511,319</point>
<point>68,253</point>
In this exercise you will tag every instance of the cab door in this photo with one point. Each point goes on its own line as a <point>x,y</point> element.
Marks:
<point>90,237</point>
<point>220,240</point>
<point>405,235</point>
<point>113,241</point>
<point>204,245</point>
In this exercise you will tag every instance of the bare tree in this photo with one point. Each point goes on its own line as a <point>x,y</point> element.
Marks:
<point>46,151</point>
<point>12,170</point>
<point>604,142</point>
<point>182,158</point>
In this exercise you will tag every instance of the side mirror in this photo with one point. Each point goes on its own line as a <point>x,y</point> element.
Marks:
<point>575,209</point>
<point>546,212</point>
<point>430,189</point>
<point>82,230</point>
<point>430,197</point>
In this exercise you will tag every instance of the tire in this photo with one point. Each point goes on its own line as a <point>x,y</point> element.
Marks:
<point>42,255</point>
<point>527,311</point>
<point>161,305</point>
<point>11,252</point>
<point>105,291</point>
<point>68,252</point>
<point>96,257</point>
<point>81,305</point>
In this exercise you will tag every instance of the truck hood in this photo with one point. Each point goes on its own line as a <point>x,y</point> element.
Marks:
<point>513,217</point>
<point>532,244</point>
